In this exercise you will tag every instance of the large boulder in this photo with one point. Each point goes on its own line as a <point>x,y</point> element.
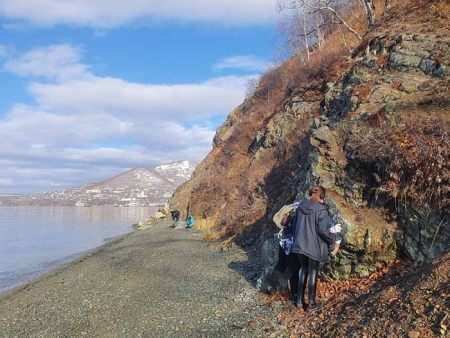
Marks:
<point>160,215</point>
<point>270,281</point>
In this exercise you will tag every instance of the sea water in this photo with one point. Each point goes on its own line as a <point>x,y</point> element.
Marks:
<point>34,240</point>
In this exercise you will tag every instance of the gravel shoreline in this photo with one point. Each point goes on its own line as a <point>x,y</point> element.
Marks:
<point>157,282</point>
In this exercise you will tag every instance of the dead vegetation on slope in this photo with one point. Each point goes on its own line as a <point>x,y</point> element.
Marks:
<point>402,299</point>
<point>261,150</point>
<point>261,154</point>
<point>410,164</point>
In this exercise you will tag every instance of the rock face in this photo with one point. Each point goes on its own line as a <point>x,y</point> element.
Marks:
<point>268,154</point>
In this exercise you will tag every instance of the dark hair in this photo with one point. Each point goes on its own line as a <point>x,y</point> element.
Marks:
<point>318,190</point>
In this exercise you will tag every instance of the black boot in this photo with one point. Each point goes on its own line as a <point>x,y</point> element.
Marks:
<point>312,286</point>
<point>314,306</point>
<point>294,300</point>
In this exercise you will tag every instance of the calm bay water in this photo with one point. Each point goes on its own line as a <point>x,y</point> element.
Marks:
<point>34,240</point>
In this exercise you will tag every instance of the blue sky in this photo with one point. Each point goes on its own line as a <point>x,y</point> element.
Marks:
<point>91,88</point>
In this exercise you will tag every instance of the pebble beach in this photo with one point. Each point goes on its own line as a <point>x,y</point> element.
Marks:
<point>156,282</point>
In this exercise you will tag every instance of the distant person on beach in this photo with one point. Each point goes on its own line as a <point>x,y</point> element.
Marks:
<point>314,239</point>
<point>175,215</point>
<point>189,222</point>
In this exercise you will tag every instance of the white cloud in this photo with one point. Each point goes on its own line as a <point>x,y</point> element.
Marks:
<point>244,62</point>
<point>76,90</point>
<point>5,181</point>
<point>30,126</point>
<point>57,62</point>
<point>112,13</point>
<point>27,179</point>
<point>32,135</point>
<point>83,123</point>
<point>147,101</point>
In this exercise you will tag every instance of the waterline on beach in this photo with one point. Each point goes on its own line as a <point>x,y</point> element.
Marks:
<point>35,240</point>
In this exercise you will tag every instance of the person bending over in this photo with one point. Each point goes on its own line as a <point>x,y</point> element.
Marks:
<point>189,222</point>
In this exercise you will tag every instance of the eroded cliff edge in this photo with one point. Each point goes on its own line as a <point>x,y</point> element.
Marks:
<point>371,126</point>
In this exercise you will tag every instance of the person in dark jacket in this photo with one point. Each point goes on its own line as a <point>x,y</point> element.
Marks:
<point>175,215</point>
<point>312,242</point>
<point>190,221</point>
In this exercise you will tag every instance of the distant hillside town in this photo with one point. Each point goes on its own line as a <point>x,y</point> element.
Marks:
<point>136,187</point>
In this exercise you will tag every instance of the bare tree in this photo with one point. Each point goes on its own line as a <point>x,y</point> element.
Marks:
<point>326,6</point>
<point>292,30</point>
<point>320,33</point>
<point>315,7</point>
<point>305,36</point>
<point>344,39</point>
<point>369,8</point>
<point>387,6</point>
<point>306,24</point>
<point>252,86</point>
<point>309,21</point>
<point>303,30</point>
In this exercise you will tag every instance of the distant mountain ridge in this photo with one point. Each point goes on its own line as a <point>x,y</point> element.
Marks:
<point>177,172</point>
<point>135,187</point>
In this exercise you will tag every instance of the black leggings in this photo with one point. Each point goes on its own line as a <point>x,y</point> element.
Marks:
<point>294,266</point>
<point>308,275</point>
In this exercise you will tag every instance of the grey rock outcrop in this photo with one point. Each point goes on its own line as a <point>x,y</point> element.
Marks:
<point>393,69</point>
<point>266,282</point>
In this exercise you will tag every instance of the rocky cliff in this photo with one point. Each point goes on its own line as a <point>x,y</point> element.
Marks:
<point>371,126</point>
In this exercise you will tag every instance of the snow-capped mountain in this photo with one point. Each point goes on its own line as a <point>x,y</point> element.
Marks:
<point>135,187</point>
<point>137,178</point>
<point>177,172</point>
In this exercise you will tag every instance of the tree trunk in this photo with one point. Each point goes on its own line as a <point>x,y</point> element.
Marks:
<point>387,6</point>
<point>325,7</point>
<point>369,7</point>
<point>306,36</point>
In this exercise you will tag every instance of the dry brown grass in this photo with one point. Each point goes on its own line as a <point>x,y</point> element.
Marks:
<point>408,164</point>
<point>238,185</point>
<point>211,235</point>
<point>249,184</point>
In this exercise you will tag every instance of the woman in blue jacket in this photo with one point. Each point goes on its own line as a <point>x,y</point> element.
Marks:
<point>312,242</point>
<point>190,221</point>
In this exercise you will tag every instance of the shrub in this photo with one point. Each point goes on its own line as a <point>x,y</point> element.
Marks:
<point>410,164</point>
<point>211,235</point>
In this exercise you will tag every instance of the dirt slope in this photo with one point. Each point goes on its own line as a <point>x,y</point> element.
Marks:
<point>402,299</point>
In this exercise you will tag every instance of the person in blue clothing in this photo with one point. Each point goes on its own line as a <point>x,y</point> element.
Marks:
<point>314,238</point>
<point>189,222</point>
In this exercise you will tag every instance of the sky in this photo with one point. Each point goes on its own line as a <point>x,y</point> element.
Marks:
<point>92,88</point>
